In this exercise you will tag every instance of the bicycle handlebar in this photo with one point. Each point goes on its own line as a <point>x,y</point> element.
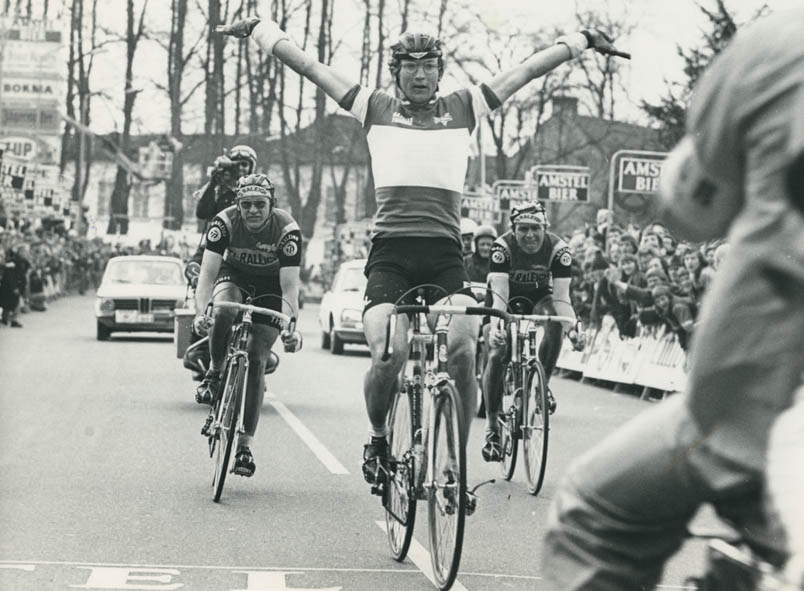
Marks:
<point>435,309</point>
<point>289,321</point>
<point>542,318</point>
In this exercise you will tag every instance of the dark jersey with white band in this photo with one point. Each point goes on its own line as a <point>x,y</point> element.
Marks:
<point>260,253</point>
<point>531,275</point>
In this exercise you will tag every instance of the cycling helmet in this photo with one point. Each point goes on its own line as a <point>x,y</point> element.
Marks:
<point>487,231</point>
<point>533,212</point>
<point>468,227</point>
<point>243,152</point>
<point>255,185</point>
<point>415,45</point>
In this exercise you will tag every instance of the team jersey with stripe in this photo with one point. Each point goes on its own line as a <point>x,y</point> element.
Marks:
<point>531,275</point>
<point>261,253</point>
<point>419,157</point>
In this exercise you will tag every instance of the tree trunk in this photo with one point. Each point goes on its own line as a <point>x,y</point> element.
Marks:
<point>174,187</point>
<point>118,218</point>
<point>310,210</point>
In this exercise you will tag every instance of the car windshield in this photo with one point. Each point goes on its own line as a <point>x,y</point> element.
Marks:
<point>152,272</point>
<point>352,280</point>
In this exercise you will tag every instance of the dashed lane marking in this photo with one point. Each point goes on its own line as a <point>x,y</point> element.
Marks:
<point>421,558</point>
<point>322,453</point>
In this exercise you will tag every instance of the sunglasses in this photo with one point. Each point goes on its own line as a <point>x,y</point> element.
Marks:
<point>427,67</point>
<point>247,204</point>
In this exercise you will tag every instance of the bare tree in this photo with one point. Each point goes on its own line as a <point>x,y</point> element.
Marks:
<point>602,73</point>
<point>118,220</point>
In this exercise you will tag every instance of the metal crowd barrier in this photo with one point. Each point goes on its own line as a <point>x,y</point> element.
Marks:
<point>653,359</point>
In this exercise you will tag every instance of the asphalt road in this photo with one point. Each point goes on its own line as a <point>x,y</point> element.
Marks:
<point>105,479</point>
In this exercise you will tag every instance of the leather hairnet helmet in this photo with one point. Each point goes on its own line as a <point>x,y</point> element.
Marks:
<point>244,153</point>
<point>414,45</point>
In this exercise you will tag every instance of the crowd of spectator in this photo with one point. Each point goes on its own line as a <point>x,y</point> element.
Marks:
<point>39,265</point>
<point>643,278</point>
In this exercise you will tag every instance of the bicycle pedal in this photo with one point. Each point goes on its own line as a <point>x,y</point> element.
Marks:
<point>471,504</point>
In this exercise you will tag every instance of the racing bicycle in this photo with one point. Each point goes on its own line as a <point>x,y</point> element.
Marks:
<point>229,408</point>
<point>428,444</point>
<point>732,564</point>
<point>525,411</point>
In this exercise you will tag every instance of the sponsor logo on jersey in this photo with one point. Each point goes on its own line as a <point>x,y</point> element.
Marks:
<point>498,257</point>
<point>565,259</point>
<point>290,249</point>
<point>443,120</point>
<point>214,234</point>
<point>401,119</point>
<point>531,277</point>
<point>265,247</point>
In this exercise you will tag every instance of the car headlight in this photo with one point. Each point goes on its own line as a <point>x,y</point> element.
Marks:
<point>352,316</point>
<point>104,306</point>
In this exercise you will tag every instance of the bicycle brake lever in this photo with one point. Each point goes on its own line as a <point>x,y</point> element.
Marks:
<point>477,486</point>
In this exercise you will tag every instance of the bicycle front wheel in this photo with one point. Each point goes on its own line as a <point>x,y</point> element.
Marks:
<point>509,421</point>
<point>446,504</point>
<point>225,434</point>
<point>400,492</point>
<point>536,428</point>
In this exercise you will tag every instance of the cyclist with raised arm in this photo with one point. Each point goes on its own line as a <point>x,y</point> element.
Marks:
<point>251,247</point>
<point>623,508</point>
<point>419,146</point>
<point>531,266</point>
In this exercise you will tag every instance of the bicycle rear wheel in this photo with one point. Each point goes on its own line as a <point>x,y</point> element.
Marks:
<point>446,503</point>
<point>536,428</point>
<point>230,401</point>
<point>399,497</point>
<point>509,422</point>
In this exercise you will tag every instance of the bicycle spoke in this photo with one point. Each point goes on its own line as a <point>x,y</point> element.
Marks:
<point>536,429</point>
<point>447,494</point>
<point>399,499</point>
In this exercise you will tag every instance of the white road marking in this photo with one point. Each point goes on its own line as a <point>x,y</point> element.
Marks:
<point>322,453</point>
<point>25,565</point>
<point>421,558</point>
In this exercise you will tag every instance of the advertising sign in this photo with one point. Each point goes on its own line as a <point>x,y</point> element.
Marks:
<point>639,174</point>
<point>480,207</point>
<point>561,183</point>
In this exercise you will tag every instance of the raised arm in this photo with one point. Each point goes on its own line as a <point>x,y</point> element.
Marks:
<point>274,41</point>
<point>566,47</point>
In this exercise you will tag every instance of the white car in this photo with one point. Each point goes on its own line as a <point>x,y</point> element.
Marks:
<point>341,314</point>
<point>139,293</point>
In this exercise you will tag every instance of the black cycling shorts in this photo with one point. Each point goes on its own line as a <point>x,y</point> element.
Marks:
<point>397,264</point>
<point>540,302</point>
<point>264,291</point>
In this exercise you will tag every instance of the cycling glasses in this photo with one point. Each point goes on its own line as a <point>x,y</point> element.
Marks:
<point>246,204</point>
<point>411,67</point>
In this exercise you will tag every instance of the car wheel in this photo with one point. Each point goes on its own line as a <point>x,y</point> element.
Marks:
<point>335,342</point>
<point>103,332</point>
<point>325,342</point>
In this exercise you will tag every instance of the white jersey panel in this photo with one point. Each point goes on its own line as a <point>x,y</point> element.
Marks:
<point>419,157</point>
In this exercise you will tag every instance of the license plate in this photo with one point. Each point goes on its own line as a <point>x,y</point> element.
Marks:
<point>132,317</point>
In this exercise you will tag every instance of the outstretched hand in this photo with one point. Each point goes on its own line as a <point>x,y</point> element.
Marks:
<point>602,43</point>
<point>239,29</point>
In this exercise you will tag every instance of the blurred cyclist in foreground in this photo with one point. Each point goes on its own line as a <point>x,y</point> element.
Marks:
<point>624,507</point>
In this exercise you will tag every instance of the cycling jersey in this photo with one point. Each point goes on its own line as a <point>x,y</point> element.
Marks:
<point>261,253</point>
<point>419,156</point>
<point>531,275</point>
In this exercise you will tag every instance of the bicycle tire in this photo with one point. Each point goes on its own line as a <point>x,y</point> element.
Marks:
<point>509,420</point>
<point>536,428</point>
<point>446,499</point>
<point>400,491</point>
<point>226,433</point>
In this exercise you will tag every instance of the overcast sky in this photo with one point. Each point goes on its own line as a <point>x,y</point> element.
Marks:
<point>659,26</point>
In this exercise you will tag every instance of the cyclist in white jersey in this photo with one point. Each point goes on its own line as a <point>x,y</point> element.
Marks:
<point>419,148</point>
